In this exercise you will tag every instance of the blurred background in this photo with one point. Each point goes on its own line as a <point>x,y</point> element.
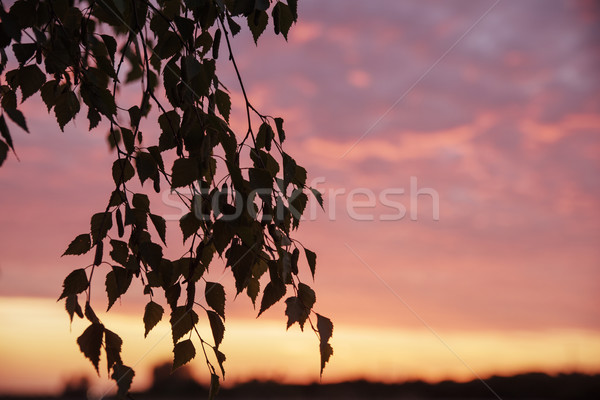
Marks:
<point>490,108</point>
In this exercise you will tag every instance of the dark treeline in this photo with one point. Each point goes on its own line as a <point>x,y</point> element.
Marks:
<point>525,386</point>
<point>530,386</point>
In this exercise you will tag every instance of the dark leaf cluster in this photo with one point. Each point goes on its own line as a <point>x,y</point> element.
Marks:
<point>78,55</point>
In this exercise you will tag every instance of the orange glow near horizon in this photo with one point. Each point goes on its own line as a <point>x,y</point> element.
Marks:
<point>262,349</point>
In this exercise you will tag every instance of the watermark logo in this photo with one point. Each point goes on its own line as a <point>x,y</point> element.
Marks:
<point>358,204</point>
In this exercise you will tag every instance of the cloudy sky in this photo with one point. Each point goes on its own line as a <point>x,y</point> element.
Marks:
<point>486,112</point>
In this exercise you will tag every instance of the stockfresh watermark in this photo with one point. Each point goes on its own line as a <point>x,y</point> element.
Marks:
<point>359,203</point>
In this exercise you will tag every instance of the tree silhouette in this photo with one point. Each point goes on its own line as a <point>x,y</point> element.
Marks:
<point>247,193</point>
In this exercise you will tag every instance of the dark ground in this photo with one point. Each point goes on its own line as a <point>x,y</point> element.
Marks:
<point>531,386</point>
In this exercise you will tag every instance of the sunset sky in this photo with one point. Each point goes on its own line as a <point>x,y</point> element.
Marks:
<point>494,106</point>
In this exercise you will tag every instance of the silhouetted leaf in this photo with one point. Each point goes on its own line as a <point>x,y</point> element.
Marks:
<point>213,390</point>
<point>172,295</point>
<point>81,50</point>
<point>113,138</point>
<point>90,314</point>
<point>193,67</point>
<point>151,254</point>
<point>233,26</point>
<point>189,225</point>
<point>122,171</point>
<point>262,5</point>
<point>311,258</point>
<point>17,117</point>
<point>171,78</point>
<point>31,79</point>
<point>253,289</point>
<point>202,81</point>
<point>72,306</point>
<point>296,311</point>
<point>168,45</point>
<point>141,202</point>
<point>76,282</point>
<point>203,43</point>
<point>3,152</point>
<point>293,4</point>
<point>112,346</point>
<point>223,103</point>
<point>146,166</point>
<point>137,218</point>
<point>260,178</point>
<point>134,74</point>
<point>66,107</point>
<point>257,22</point>
<point>326,352</point>
<point>184,352</point>
<point>160,225</point>
<point>117,283</point>
<point>222,235</point>
<point>9,99</point>
<point>117,197</point>
<point>220,359</point>
<point>289,170</point>
<point>128,140</point>
<point>100,225</point>
<point>185,26</point>
<point>298,201</point>
<point>24,51</point>
<point>111,46</point>
<point>98,98</point>
<point>182,321</point>
<point>185,172</point>
<point>152,315</point>
<point>325,328</point>
<point>49,92</point>
<point>265,160</point>
<point>4,42</point>
<point>273,292</point>
<point>318,196</point>
<point>135,115</point>
<point>299,176</point>
<point>123,376</point>
<point>80,245</point>
<point>307,295</point>
<point>282,19</point>
<point>215,297</point>
<point>155,153</point>
<point>265,136</point>
<point>90,343</point>
<point>217,327</point>
<point>94,117</point>
<point>12,78</point>
<point>240,259</point>
<point>119,251</point>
